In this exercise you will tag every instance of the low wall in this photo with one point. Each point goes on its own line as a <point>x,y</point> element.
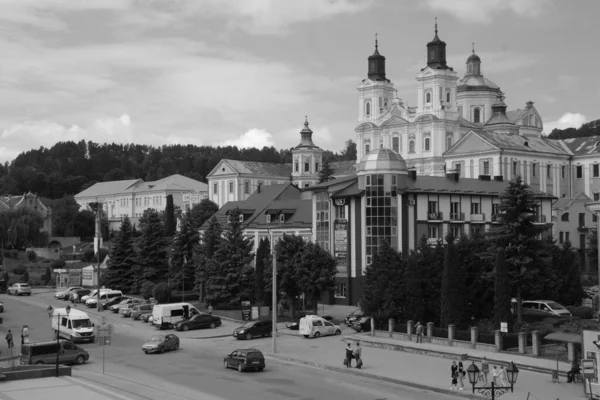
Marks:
<point>19,372</point>
<point>409,349</point>
<point>439,341</point>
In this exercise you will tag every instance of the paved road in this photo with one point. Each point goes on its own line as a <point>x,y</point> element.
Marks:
<point>198,364</point>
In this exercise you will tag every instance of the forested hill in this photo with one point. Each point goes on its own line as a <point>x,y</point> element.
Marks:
<point>586,130</point>
<point>68,167</point>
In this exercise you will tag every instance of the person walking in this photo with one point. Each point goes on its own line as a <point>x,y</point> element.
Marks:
<point>9,339</point>
<point>461,376</point>
<point>419,330</point>
<point>503,377</point>
<point>25,335</point>
<point>210,309</point>
<point>349,355</point>
<point>495,374</point>
<point>453,375</point>
<point>485,370</point>
<point>358,356</point>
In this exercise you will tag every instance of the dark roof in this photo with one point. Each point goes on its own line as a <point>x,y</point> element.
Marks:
<point>343,168</point>
<point>583,146</point>
<point>299,211</point>
<point>429,184</point>
<point>517,142</point>
<point>351,190</point>
<point>260,168</point>
<point>335,181</point>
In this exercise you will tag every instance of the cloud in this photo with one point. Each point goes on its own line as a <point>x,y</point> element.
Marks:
<point>253,138</point>
<point>568,120</point>
<point>484,12</point>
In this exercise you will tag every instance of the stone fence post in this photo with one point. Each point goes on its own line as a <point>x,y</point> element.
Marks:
<point>498,339</point>
<point>522,342</point>
<point>474,336</point>
<point>430,331</point>
<point>451,333</point>
<point>391,324</point>
<point>535,343</point>
<point>409,328</point>
<point>571,351</point>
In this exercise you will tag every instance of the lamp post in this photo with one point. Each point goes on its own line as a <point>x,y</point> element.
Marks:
<point>68,310</point>
<point>493,391</point>
<point>98,241</point>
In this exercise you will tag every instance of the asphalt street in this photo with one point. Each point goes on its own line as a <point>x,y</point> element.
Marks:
<point>198,365</point>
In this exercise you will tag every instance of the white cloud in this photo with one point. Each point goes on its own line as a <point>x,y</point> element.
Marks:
<point>485,11</point>
<point>568,120</point>
<point>253,138</point>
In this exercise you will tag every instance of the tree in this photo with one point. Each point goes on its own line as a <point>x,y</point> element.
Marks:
<point>382,295</point>
<point>47,277</point>
<point>349,153</point>
<point>326,173</point>
<point>592,253</point>
<point>262,253</point>
<point>452,292</point>
<point>120,271</point>
<point>201,212</point>
<point>25,277</point>
<point>204,253</point>
<point>518,234</point>
<point>181,263</point>
<point>413,290</point>
<point>231,279</point>
<point>502,297</point>
<point>150,254</point>
<point>170,223</point>
<point>569,290</point>
<point>316,275</point>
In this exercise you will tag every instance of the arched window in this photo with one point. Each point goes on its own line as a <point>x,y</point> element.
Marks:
<point>477,115</point>
<point>447,97</point>
<point>565,217</point>
<point>368,109</point>
<point>427,144</point>
<point>428,98</point>
<point>396,144</point>
<point>367,148</point>
<point>448,142</point>
<point>411,146</point>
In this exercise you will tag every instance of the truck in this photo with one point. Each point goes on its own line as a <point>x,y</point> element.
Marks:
<point>167,315</point>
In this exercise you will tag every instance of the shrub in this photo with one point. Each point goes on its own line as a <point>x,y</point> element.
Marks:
<point>571,309</point>
<point>161,292</point>
<point>15,254</point>
<point>20,270</point>
<point>147,290</point>
<point>577,326</point>
<point>31,255</point>
<point>583,312</point>
<point>25,277</point>
<point>88,255</point>
<point>58,264</point>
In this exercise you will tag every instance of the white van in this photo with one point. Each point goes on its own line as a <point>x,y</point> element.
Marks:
<point>76,326</point>
<point>104,296</point>
<point>167,315</point>
<point>315,326</point>
<point>93,294</point>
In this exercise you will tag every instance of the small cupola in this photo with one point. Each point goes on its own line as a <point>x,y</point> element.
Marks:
<point>473,63</point>
<point>436,52</point>
<point>377,64</point>
<point>306,135</point>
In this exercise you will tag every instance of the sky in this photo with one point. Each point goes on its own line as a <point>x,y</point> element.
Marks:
<point>247,72</point>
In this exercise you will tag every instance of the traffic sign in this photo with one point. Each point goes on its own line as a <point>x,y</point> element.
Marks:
<point>589,368</point>
<point>105,330</point>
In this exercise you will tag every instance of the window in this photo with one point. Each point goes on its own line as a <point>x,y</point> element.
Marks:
<point>596,170</point>
<point>268,218</point>
<point>579,171</point>
<point>476,115</point>
<point>448,142</point>
<point>533,169</point>
<point>340,212</point>
<point>432,231</point>
<point>428,98</point>
<point>515,168</point>
<point>486,168</point>
<point>447,97</point>
<point>297,166</point>
<point>230,187</point>
<point>456,230</point>
<point>567,237</point>
<point>458,168</point>
<point>340,290</point>
<point>306,184</point>
<point>454,211</point>
<point>367,148</point>
<point>432,207</point>
<point>317,167</point>
<point>474,208</point>
<point>368,109</point>
<point>281,217</point>
<point>396,144</point>
<point>381,213</point>
<point>565,217</point>
<point>596,196</point>
<point>322,220</point>
<point>411,146</point>
<point>548,171</point>
<point>581,219</point>
<point>246,187</point>
<point>562,171</point>
<point>306,166</point>
<point>427,144</point>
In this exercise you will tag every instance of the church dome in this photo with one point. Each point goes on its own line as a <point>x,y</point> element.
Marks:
<point>476,82</point>
<point>473,58</point>
<point>382,160</point>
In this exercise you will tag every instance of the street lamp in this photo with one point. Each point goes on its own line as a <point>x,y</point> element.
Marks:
<point>274,294</point>
<point>493,391</point>
<point>68,310</point>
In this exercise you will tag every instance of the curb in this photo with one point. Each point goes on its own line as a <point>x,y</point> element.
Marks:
<point>208,337</point>
<point>10,358</point>
<point>401,382</point>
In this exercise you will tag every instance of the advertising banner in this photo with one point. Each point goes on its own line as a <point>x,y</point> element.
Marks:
<point>340,244</point>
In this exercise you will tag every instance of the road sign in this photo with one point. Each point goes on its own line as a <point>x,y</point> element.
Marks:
<point>588,367</point>
<point>105,330</point>
<point>504,327</point>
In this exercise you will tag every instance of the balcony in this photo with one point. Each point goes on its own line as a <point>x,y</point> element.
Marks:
<point>434,241</point>
<point>539,219</point>
<point>457,217</point>
<point>480,218</point>
<point>434,216</point>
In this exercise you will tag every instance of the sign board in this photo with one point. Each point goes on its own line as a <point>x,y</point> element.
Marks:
<point>588,368</point>
<point>255,312</point>
<point>246,311</point>
<point>105,330</point>
<point>504,327</point>
<point>340,244</point>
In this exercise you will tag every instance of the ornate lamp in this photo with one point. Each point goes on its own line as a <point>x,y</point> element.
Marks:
<point>473,373</point>
<point>512,373</point>
<point>493,391</point>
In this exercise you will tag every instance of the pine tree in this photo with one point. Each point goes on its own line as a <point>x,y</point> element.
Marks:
<point>413,290</point>
<point>262,253</point>
<point>181,263</point>
<point>452,292</point>
<point>232,276</point>
<point>502,297</point>
<point>202,212</point>
<point>151,254</point>
<point>170,222</point>
<point>204,253</point>
<point>326,172</point>
<point>567,267</point>
<point>119,274</point>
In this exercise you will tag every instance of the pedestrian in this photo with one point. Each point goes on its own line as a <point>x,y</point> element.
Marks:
<point>9,339</point>
<point>485,370</point>
<point>575,370</point>
<point>358,356</point>
<point>24,335</point>
<point>210,309</point>
<point>349,355</point>
<point>419,330</point>
<point>503,377</point>
<point>495,374</point>
<point>454,375</point>
<point>461,376</point>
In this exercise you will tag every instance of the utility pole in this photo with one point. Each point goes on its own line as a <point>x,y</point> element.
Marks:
<point>97,246</point>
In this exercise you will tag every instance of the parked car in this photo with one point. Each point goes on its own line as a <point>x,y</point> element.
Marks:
<point>146,317</point>
<point>353,316</point>
<point>93,293</point>
<point>111,302</point>
<point>140,309</point>
<point>295,324</point>
<point>544,308</point>
<point>76,295</point>
<point>19,289</point>
<point>117,307</point>
<point>64,294</point>
<point>198,322</point>
<point>254,329</point>
<point>161,343</point>
<point>362,325</point>
<point>315,326</point>
<point>245,359</point>
<point>104,296</point>
<point>1,306</point>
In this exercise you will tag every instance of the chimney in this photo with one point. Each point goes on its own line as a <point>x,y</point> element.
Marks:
<point>412,174</point>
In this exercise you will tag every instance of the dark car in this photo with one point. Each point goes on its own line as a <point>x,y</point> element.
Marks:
<point>362,325</point>
<point>198,322</point>
<point>111,302</point>
<point>1,306</point>
<point>161,343</point>
<point>145,317</point>
<point>353,316</point>
<point>141,309</point>
<point>295,324</point>
<point>76,295</point>
<point>245,359</point>
<point>254,329</point>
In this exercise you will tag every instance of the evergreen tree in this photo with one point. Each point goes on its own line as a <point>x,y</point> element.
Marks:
<point>326,172</point>
<point>502,297</point>
<point>151,254</point>
<point>170,222</point>
<point>413,290</point>
<point>262,254</point>
<point>204,253</point>
<point>119,274</point>
<point>452,293</point>
<point>232,276</point>
<point>201,212</point>
<point>382,295</point>
<point>567,267</point>
<point>430,262</point>
<point>316,275</point>
<point>181,263</point>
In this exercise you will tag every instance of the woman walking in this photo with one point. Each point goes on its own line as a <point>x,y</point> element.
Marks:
<point>454,375</point>
<point>461,376</point>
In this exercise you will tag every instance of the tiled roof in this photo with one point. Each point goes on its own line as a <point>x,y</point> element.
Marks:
<point>107,188</point>
<point>260,168</point>
<point>173,182</point>
<point>349,191</point>
<point>583,146</point>
<point>517,142</point>
<point>343,168</point>
<point>300,218</point>
<point>335,181</point>
<point>441,184</point>
<point>468,124</point>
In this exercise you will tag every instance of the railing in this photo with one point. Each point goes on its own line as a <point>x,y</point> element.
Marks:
<point>434,216</point>
<point>457,216</point>
<point>478,217</point>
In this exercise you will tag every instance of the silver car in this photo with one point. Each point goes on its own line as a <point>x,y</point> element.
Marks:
<point>20,289</point>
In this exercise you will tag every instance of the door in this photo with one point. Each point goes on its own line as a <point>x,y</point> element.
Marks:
<point>68,353</point>
<point>201,321</point>
<point>330,328</point>
<point>231,360</point>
